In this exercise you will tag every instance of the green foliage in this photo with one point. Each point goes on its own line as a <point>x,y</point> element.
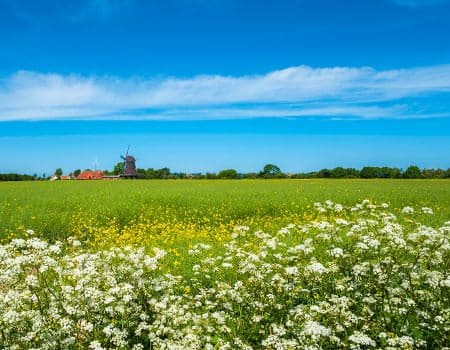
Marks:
<point>118,168</point>
<point>211,176</point>
<point>17,177</point>
<point>370,172</point>
<point>228,174</point>
<point>391,173</point>
<point>271,171</point>
<point>380,173</point>
<point>151,173</point>
<point>338,173</point>
<point>413,172</point>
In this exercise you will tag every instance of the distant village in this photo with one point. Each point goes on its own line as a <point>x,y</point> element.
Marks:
<point>85,175</point>
<point>127,170</point>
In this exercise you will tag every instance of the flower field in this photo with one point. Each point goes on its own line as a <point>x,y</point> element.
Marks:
<point>166,213</point>
<point>225,265</point>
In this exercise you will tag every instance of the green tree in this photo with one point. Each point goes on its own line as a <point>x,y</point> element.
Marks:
<point>77,172</point>
<point>433,173</point>
<point>338,172</point>
<point>118,168</point>
<point>211,176</point>
<point>150,173</point>
<point>352,173</point>
<point>370,172</point>
<point>413,172</point>
<point>447,173</point>
<point>58,172</point>
<point>163,173</point>
<point>228,174</point>
<point>324,173</point>
<point>392,173</point>
<point>251,175</point>
<point>16,177</point>
<point>141,174</point>
<point>271,170</point>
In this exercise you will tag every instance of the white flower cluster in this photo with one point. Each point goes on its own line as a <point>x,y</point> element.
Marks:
<point>358,281</point>
<point>50,299</point>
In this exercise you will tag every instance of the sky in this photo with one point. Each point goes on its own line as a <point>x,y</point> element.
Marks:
<point>198,85</point>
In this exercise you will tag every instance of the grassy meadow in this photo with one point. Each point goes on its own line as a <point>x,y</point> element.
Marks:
<point>143,212</point>
<point>251,264</point>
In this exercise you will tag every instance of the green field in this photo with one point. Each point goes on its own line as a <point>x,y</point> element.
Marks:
<point>56,210</point>
<point>221,265</point>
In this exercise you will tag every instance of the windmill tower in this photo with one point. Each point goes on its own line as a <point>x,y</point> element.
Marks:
<point>129,166</point>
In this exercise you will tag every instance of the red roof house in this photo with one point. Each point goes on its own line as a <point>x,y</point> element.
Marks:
<point>90,175</point>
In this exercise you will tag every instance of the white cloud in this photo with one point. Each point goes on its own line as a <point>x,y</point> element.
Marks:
<point>295,91</point>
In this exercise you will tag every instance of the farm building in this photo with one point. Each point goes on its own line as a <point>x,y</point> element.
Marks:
<point>90,175</point>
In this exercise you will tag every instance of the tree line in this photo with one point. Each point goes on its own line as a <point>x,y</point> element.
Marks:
<point>270,171</point>
<point>17,177</point>
<point>371,172</point>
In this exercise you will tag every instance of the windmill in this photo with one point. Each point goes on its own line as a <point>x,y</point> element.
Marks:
<point>129,166</point>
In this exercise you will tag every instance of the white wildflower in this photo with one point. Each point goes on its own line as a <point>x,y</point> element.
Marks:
<point>31,281</point>
<point>336,252</point>
<point>316,330</point>
<point>426,210</point>
<point>362,339</point>
<point>408,210</point>
<point>95,345</point>
<point>291,270</point>
<point>316,267</point>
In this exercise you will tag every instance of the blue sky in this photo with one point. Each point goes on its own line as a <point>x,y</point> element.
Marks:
<point>201,85</point>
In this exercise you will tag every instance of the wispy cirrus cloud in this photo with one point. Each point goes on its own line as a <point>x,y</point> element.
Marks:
<point>292,92</point>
